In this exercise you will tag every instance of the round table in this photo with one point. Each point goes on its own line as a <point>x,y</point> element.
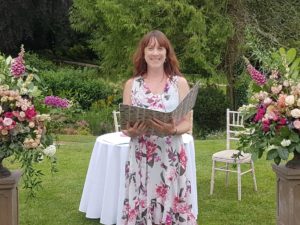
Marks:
<point>104,187</point>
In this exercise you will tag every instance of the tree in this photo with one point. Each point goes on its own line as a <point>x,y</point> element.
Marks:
<point>39,24</point>
<point>198,30</point>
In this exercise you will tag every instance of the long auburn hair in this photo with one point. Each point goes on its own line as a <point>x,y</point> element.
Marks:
<point>171,65</point>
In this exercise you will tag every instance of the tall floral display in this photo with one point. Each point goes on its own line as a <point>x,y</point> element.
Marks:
<point>24,136</point>
<point>272,116</point>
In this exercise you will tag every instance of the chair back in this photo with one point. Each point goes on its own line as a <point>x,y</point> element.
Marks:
<point>116,116</point>
<point>234,126</point>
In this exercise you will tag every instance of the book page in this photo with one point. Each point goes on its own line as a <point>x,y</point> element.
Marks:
<point>131,114</point>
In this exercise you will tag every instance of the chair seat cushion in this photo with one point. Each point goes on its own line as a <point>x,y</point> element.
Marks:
<point>227,156</point>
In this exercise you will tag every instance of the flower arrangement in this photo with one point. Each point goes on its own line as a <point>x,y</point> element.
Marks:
<point>272,116</point>
<point>23,133</point>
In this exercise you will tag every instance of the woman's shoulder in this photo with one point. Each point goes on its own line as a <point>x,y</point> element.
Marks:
<point>181,81</point>
<point>130,82</point>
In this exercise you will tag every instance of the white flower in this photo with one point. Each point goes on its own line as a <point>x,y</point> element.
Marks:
<point>298,102</point>
<point>22,114</point>
<point>4,99</point>
<point>0,109</point>
<point>290,100</point>
<point>285,143</point>
<point>31,124</point>
<point>286,83</point>
<point>295,113</point>
<point>262,95</point>
<point>267,101</point>
<point>23,91</point>
<point>7,121</point>
<point>4,132</point>
<point>43,117</point>
<point>276,89</point>
<point>50,150</point>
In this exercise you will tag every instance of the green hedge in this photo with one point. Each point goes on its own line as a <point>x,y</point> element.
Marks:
<point>210,111</point>
<point>80,85</point>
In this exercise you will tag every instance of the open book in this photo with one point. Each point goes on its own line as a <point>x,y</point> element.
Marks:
<point>134,114</point>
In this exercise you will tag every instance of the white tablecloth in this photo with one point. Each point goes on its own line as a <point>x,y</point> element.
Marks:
<point>104,187</point>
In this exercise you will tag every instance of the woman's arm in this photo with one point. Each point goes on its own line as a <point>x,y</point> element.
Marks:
<point>127,92</point>
<point>138,128</point>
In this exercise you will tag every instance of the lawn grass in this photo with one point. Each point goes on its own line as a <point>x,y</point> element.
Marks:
<point>58,202</point>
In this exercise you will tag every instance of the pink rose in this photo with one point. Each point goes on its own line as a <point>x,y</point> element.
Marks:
<point>30,113</point>
<point>296,124</point>
<point>9,115</point>
<point>7,121</point>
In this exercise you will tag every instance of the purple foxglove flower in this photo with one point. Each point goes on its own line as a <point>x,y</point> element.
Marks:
<point>17,67</point>
<point>257,76</point>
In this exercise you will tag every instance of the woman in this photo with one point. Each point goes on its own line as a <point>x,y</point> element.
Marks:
<point>157,188</point>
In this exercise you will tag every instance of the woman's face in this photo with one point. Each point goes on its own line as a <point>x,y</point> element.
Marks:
<point>155,54</point>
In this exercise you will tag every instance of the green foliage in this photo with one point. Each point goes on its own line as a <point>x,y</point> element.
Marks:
<point>275,22</point>
<point>210,110</point>
<point>198,31</point>
<point>40,63</point>
<point>81,86</point>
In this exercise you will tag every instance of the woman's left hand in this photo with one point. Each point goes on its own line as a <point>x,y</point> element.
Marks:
<point>162,127</point>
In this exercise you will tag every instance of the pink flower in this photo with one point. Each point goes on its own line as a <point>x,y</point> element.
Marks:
<point>260,114</point>
<point>161,191</point>
<point>169,220</point>
<point>151,148</point>
<point>296,124</point>
<point>266,125</point>
<point>7,121</point>
<point>281,101</point>
<point>180,206</point>
<point>182,157</point>
<point>30,113</point>
<point>132,214</point>
<point>17,67</point>
<point>257,76</point>
<point>282,121</point>
<point>8,114</point>
<point>56,101</point>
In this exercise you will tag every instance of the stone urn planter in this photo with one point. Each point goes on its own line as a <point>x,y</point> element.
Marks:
<point>4,172</point>
<point>288,191</point>
<point>9,208</point>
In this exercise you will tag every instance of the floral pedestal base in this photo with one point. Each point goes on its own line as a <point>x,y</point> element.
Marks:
<point>4,172</point>
<point>9,209</point>
<point>288,195</point>
<point>295,162</point>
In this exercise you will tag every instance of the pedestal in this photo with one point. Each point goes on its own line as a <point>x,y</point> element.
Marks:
<point>9,209</point>
<point>288,195</point>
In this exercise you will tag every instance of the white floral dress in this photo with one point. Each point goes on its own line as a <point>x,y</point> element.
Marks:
<point>157,188</point>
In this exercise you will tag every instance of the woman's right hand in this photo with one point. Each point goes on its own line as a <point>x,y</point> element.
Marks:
<point>138,129</point>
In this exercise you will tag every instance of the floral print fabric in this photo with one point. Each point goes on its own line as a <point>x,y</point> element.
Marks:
<point>157,189</point>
